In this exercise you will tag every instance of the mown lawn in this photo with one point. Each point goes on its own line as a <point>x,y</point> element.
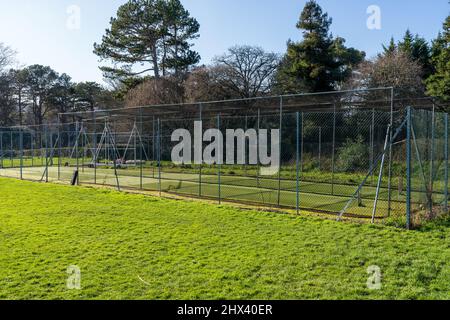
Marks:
<point>136,247</point>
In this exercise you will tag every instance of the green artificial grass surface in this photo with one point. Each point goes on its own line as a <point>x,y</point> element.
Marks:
<point>137,247</point>
<point>262,191</point>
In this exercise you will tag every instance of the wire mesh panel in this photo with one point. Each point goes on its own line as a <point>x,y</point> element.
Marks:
<point>348,154</point>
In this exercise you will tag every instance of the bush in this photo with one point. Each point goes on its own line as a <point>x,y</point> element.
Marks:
<point>353,156</point>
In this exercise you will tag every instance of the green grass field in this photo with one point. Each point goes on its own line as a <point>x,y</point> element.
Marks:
<point>136,247</point>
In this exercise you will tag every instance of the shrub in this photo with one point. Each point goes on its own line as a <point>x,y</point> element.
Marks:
<point>353,155</point>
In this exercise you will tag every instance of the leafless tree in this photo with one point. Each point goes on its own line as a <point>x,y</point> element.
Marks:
<point>7,56</point>
<point>248,71</point>
<point>395,69</point>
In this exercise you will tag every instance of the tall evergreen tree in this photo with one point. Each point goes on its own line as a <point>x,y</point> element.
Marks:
<point>438,84</point>
<point>319,62</point>
<point>418,50</point>
<point>153,34</point>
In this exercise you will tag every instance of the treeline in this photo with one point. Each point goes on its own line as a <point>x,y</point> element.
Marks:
<point>36,94</point>
<point>147,58</point>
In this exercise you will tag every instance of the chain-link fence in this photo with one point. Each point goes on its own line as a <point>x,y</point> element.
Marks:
<point>353,154</point>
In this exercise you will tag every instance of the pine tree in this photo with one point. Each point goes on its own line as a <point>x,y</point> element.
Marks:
<point>319,62</point>
<point>154,34</point>
<point>438,84</point>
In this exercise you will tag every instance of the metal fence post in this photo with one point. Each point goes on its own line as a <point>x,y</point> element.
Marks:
<point>200,165</point>
<point>11,148</point>
<point>94,153</point>
<point>432,150</point>
<point>1,149</point>
<point>59,148</point>
<point>159,156</point>
<point>258,148</point>
<point>302,144</point>
<point>21,152</point>
<point>76,151</point>
<point>334,150</point>
<point>297,116</point>
<point>320,148</point>
<point>153,146</point>
<point>46,152</point>
<point>280,148</point>
<point>390,154</point>
<point>219,164</point>
<point>141,173</point>
<point>408,168</point>
<point>446,162</point>
<point>372,141</point>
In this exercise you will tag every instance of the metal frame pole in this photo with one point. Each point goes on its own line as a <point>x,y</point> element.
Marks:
<point>302,146</point>
<point>320,148</point>
<point>200,166</point>
<point>280,141</point>
<point>141,169</point>
<point>390,155</point>
<point>219,164</point>
<point>334,150</point>
<point>11,148</point>
<point>408,168</point>
<point>297,116</point>
<point>432,150</point>
<point>159,156</point>
<point>94,156</point>
<point>32,137</point>
<point>380,176</point>
<point>245,145</point>
<point>153,146</point>
<point>46,152</point>
<point>446,162</point>
<point>21,152</point>
<point>77,151</point>
<point>372,141</point>
<point>258,147</point>
<point>59,148</point>
<point>1,149</point>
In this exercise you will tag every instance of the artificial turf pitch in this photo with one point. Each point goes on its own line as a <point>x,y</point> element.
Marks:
<point>322,197</point>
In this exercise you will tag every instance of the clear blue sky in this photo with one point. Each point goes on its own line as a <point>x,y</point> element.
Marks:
<point>37,28</point>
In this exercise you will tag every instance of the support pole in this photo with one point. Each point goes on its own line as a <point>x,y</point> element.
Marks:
<point>95,155</point>
<point>200,165</point>
<point>11,149</point>
<point>297,204</point>
<point>59,148</point>
<point>390,155</point>
<point>432,150</point>
<point>21,152</point>
<point>1,149</point>
<point>408,168</point>
<point>320,148</point>
<point>46,152</point>
<point>380,176</point>
<point>219,164</point>
<point>334,150</point>
<point>141,144</point>
<point>281,158</point>
<point>159,156</point>
<point>257,148</point>
<point>446,162</point>
<point>302,144</point>
<point>76,152</point>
